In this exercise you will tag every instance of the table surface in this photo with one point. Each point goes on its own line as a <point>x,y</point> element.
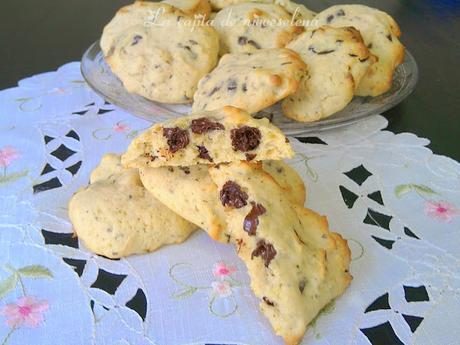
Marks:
<point>40,37</point>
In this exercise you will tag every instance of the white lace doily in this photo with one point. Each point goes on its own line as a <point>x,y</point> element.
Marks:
<point>395,202</point>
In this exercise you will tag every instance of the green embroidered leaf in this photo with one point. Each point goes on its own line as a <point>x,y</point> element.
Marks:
<point>402,189</point>
<point>35,271</point>
<point>8,284</point>
<point>185,293</point>
<point>13,177</point>
<point>23,99</point>
<point>423,189</point>
<point>78,81</point>
<point>132,134</point>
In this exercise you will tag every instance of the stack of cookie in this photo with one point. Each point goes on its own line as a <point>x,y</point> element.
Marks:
<point>221,171</point>
<point>252,54</point>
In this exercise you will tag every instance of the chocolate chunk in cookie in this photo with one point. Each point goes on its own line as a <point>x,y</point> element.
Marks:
<point>268,301</point>
<point>251,221</point>
<point>232,195</point>
<point>204,153</point>
<point>265,250</point>
<point>245,138</point>
<point>176,138</point>
<point>250,156</point>
<point>204,125</point>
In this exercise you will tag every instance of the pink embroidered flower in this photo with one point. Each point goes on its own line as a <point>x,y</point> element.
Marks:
<point>221,288</point>
<point>121,128</point>
<point>222,270</point>
<point>26,310</point>
<point>441,209</point>
<point>7,155</point>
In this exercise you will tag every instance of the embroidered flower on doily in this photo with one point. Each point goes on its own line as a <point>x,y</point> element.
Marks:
<point>221,270</point>
<point>221,288</point>
<point>121,127</point>
<point>8,154</point>
<point>442,210</point>
<point>27,310</point>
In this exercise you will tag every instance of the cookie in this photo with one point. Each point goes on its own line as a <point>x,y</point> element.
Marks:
<point>300,14</point>
<point>296,265</point>
<point>116,216</point>
<point>337,61</point>
<point>250,81</point>
<point>247,27</point>
<point>208,137</point>
<point>381,35</point>
<point>155,52</point>
<point>193,8</point>
<point>298,10</point>
<point>190,192</point>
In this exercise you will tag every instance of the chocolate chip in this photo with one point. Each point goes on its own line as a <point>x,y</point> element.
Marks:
<point>176,138</point>
<point>170,169</point>
<point>244,87</point>
<point>330,18</point>
<point>250,156</point>
<point>286,63</point>
<point>266,300</point>
<point>187,48</point>
<point>242,40</point>
<point>251,221</point>
<point>193,42</point>
<point>245,138</point>
<point>302,285</point>
<point>353,55</point>
<point>369,46</point>
<point>204,125</point>
<point>232,195</point>
<point>213,91</point>
<point>265,250</point>
<point>390,38</point>
<point>232,85</point>
<point>203,153</point>
<point>186,170</point>
<point>340,13</point>
<point>254,44</point>
<point>323,52</point>
<point>364,60</point>
<point>136,40</point>
<point>152,157</point>
<point>339,41</point>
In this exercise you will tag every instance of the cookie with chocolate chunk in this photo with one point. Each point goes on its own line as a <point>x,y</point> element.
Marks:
<point>116,216</point>
<point>296,265</point>
<point>208,137</point>
<point>250,81</point>
<point>337,61</point>
<point>381,35</point>
<point>247,27</point>
<point>155,53</point>
<point>194,8</point>
<point>192,194</point>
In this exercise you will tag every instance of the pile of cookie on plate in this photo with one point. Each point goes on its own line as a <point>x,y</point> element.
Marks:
<point>220,169</point>
<point>253,54</point>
